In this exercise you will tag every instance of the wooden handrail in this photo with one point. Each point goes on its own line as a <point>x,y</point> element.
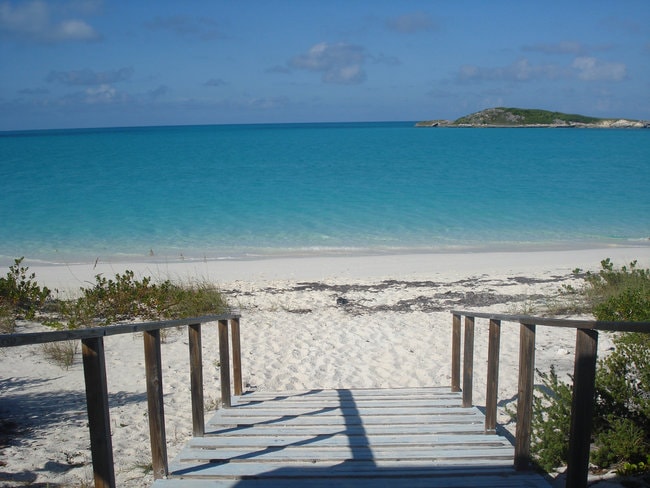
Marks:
<point>583,379</point>
<point>94,364</point>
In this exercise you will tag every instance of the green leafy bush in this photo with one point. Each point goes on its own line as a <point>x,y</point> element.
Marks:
<point>107,301</point>
<point>551,422</point>
<point>20,291</point>
<point>621,424</point>
<point>7,319</point>
<point>127,298</point>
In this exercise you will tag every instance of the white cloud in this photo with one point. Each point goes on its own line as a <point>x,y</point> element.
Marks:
<point>35,21</point>
<point>593,69</point>
<point>411,23</point>
<point>100,94</point>
<point>520,70</point>
<point>583,67</point>
<point>339,63</point>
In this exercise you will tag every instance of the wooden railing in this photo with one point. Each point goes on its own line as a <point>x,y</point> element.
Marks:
<point>584,376</point>
<point>94,365</point>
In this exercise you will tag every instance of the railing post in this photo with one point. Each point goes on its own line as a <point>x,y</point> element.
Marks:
<point>196,380</point>
<point>468,362</point>
<point>224,364</point>
<point>99,422</point>
<point>236,356</point>
<point>455,354</point>
<point>582,407</point>
<point>153,367</point>
<point>525,396</point>
<point>492,388</point>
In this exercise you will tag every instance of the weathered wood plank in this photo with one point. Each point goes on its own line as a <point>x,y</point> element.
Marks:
<point>492,386</point>
<point>582,407</point>
<point>196,379</point>
<point>569,323</point>
<point>458,426</point>
<point>343,453</point>
<point>224,366</point>
<point>329,468</point>
<point>455,353</point>
<point>156,409</point>
<point>356,393</point>
<point>99,422</point>
<point>525,396</point>
<point>342,438</point>
<point>371,402</point>
<point>292,420</point>
<point>400,410</point>
<point>23,339</point>
<point>236,356</point>
<point>468,362</point>
<point>381,480</point>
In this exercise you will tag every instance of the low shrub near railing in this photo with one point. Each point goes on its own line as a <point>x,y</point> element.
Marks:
<point>621,423</point>
<point>126,298</point>
<point>20,294</point>
<point>109,300</point>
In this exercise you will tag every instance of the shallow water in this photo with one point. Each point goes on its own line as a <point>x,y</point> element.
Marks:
<point>234,191</point>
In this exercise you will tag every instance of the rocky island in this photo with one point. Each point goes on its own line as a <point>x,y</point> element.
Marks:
<point>522,117</point>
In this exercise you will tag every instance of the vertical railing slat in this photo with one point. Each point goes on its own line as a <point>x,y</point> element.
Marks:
<point>468,362</point>
<point>582,407</point>
<point>525,396</point>
<point>236,356</point>
<point>492,388</point>
<point>196,380</point>
<point>153,367</point>
<point>99,422</point>
<point>455,354</point>
<point>224,364</point>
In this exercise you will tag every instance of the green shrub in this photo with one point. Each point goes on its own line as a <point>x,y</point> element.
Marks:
<point>619,294</point>
<point>107,301</point>
<point>624,441</point>
<point>127,298</point>
<point>621,424</point>
<point>19,290</point>
<point>7,319</point>
<point>551,422</point>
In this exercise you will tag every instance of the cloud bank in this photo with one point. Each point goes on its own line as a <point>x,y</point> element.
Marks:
<point>37,21</point>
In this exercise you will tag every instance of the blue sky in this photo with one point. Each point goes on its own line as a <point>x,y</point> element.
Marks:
<point>94,63</point>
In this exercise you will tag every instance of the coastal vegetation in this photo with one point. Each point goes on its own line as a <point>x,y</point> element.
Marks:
<point>522,117</point>
<point>107,301</point>
<point>621,424</point>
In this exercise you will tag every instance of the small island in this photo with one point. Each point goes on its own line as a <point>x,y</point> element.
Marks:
<point>523,117</point>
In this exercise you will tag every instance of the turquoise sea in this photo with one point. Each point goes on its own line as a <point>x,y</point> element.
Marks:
<point>218,192</point>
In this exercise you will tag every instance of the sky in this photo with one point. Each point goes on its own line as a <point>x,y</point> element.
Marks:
<point>117,63</point>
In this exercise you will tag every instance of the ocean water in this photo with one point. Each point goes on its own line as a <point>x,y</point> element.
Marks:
<point>220,192</point>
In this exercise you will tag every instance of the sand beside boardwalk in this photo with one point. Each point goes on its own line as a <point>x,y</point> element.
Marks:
<point>393,330</point>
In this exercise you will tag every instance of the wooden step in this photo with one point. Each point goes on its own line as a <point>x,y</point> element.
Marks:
<point>371,437</point>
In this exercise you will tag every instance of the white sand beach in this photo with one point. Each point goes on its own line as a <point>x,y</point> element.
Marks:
<point>393,330</point>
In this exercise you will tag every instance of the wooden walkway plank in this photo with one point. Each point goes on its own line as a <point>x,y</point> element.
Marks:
<point>351,430</point>
<point>342,438</point>
<point>412,437</point>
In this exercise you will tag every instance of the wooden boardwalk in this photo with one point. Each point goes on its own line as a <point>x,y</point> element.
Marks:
<point>413,437</point>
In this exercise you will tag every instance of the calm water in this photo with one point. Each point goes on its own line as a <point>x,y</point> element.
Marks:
<point>234,191</point>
